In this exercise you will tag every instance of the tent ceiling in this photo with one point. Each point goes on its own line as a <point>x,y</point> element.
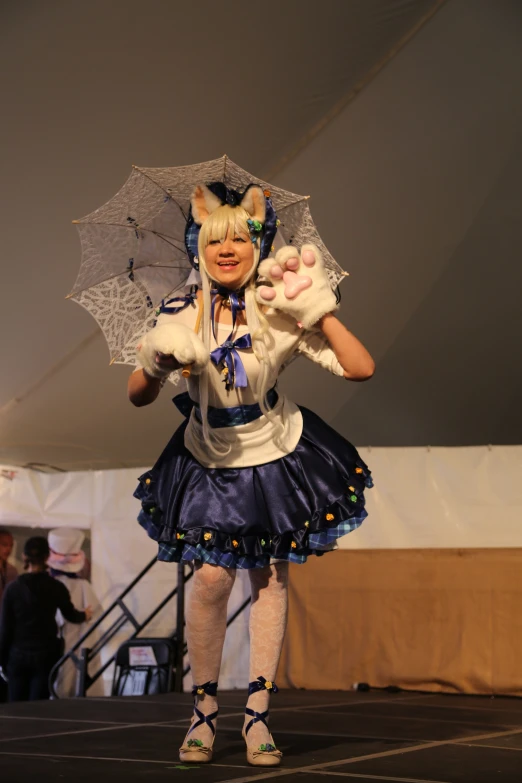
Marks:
<point>415,188</point>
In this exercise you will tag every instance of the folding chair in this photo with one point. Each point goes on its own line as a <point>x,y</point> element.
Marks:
<point>144,666</point>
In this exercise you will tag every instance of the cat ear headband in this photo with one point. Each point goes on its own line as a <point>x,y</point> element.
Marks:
<point>207,198</point>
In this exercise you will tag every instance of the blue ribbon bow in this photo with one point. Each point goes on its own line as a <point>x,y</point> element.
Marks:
<point>227,354</point>
<point>187,300</point>
<point>261,684</point>
<point>207,687</point>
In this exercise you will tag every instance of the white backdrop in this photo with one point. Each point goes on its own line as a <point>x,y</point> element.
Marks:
<point>423,498</point>
<point>102,501</point>
<point>427,498</point>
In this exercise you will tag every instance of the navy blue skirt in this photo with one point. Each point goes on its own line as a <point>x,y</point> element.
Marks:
<point>242,517</point>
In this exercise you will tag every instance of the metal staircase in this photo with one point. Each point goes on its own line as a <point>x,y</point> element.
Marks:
<point>82,656</point>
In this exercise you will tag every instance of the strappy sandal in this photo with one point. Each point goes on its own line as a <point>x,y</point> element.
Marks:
<point>193,751</point>
<point>267,754</point>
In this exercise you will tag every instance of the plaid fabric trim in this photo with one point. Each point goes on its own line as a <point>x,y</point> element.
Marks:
<point>191,240</point>
<point>170,554</point>
<point>318,544</point>
<point>325,538</point>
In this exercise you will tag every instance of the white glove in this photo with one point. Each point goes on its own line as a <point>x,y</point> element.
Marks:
<point>298,285</point>
<point>174,340</point>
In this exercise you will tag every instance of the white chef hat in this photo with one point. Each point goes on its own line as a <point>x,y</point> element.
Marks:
<point>66,555</point>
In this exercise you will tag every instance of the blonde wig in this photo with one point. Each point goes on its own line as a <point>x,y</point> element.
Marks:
<point>222,220</point>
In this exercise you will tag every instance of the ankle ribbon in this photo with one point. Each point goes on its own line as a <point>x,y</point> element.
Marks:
<point>209,688</point>
<point>257,717</point>
<point>204,719</point>
<point>260,685</point>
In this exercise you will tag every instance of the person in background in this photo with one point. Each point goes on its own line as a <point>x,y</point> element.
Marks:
<point>29,643</point>
<point>67,563</point>
<point>8,572</point>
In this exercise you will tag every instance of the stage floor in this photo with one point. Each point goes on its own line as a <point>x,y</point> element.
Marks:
<point>419,738</point>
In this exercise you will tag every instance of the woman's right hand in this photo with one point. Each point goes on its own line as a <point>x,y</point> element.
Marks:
<point>166,362</point>
<point>88,614</point>
<point>170,346</point>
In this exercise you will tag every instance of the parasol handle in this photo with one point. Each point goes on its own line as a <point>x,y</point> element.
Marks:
<point>187,369</point>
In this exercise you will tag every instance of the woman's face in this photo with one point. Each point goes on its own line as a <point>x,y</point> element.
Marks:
<point>229,260</point>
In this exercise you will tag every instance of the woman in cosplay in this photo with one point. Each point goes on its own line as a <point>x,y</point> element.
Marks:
<point>250,480</point>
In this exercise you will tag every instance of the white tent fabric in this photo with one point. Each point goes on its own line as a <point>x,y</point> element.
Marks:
<point>415,188</point>
<point>436,498</point>
<point>102,501</point>
<point>423,498</point>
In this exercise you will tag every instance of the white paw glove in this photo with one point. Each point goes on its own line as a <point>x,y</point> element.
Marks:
<point>174,340</point>
<point>297,285</point>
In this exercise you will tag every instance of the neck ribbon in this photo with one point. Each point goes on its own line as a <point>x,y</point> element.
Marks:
<point>226,354</point>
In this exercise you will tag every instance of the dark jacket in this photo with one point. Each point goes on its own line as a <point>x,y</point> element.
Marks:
<point>27,621</point>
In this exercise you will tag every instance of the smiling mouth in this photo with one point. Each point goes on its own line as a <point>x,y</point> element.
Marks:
<point>228,263</point>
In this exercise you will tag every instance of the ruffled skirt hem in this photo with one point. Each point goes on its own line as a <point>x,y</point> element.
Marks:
<point>287,510</point>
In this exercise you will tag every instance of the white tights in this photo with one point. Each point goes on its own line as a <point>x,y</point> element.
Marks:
<point>206,619</point>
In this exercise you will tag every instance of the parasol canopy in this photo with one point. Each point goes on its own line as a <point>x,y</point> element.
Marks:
<point>134,249</point>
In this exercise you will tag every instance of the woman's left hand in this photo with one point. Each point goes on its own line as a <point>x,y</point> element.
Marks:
<point>297,284</point>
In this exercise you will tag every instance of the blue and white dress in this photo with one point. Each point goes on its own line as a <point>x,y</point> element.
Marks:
<point>271,498</point>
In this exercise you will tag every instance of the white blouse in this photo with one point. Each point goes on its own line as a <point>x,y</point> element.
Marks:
<point>254,443</point>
